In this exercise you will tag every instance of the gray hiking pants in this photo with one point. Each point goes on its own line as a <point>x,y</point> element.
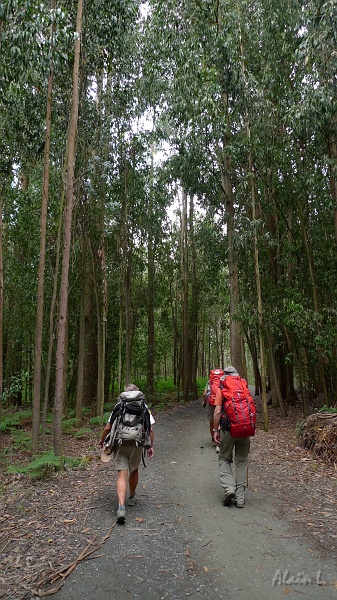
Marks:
<point>240,448</point>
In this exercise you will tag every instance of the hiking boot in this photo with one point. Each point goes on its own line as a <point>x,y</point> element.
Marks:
<point>227,501</point>
<point>132,501</point>
<point>213,444</point>
<point>121,514</point>
<point>217,449</point>
<point>239,503</point>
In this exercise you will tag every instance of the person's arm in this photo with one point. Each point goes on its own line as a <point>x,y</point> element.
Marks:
<point>105,432</point>
<point>217,416</point>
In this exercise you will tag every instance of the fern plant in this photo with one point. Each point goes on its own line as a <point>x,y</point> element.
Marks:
<point>69,425</point>
<point>21,441</point>
<point>81,433</point>
<point>15,420</point>
<point>42,466</point>
<point>39,467</point>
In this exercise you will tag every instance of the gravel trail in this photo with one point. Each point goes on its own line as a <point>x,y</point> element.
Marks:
<point>179,541</point>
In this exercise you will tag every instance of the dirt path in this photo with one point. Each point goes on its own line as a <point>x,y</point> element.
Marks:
<point>181,542</point>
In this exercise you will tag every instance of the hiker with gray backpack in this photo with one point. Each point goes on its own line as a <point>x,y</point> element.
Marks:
<point>127,436</point>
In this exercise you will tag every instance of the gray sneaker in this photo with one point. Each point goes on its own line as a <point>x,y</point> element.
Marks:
<point>121,514</point>
<point>132,501</point>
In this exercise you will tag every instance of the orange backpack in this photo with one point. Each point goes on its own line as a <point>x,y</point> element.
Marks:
<point>238,407</point>
<point>213,385</point>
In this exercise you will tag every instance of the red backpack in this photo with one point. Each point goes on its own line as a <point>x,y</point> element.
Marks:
<point>238,407</point>
<point>213,385</point>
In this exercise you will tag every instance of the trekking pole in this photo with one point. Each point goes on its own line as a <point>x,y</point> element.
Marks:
<point>203,429</point>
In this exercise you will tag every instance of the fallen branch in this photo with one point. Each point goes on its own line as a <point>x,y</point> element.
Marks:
<point>65,571</point>
<point>68,569</point>
<point>108,534</point>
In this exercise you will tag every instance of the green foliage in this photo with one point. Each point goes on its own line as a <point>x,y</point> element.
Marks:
<point>83,432</point>
<point>327,409</point>
<point>201,384</point>
<point>21,441</point>
<point>15,420</point>
<point>38,468</point>
<point>97,420</point>
<point>76,463</point>
<point>69,425</point>
<point>165,386</point>
<point>14,389</point>
<point>43,465</point>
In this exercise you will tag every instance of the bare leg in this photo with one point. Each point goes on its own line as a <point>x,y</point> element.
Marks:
<point>121,486</point>
<point>133,481</point>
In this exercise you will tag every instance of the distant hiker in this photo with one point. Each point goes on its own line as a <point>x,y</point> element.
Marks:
<point>208,400</point>
<point>235,414</point>
<point>127,435</point>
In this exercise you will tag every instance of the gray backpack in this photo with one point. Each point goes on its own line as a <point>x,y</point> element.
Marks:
<point>133,421</point>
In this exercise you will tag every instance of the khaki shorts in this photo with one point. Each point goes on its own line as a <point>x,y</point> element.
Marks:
<point>127,457</point>
<point>210,412</point>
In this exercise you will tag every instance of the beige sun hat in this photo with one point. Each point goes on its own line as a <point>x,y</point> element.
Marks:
<point>105,454</point>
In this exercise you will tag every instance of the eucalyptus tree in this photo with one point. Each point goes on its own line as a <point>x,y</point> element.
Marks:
<point>202,62</point>
<point>63,315</point>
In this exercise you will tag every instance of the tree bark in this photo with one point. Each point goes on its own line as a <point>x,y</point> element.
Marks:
<point>184,280</point>
<point>40,288</point>
<point>81,340</point>
<point>1,311</point>
<point>61,340</point>
<point>332,145</point>
<point>150,290</point>
<point>226,170</point>
<point>51,323</point>
<point>252,181</point>
<point>194,305</point>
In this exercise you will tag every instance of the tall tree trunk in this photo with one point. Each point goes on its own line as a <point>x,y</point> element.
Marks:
<point>61,340</point>
<point>316,305</point>
<point>226,170</point>
<point>104,323</point>
<point>102,252</point>
<point>194,305</point>
<point>52,321</point>
<point>127,300</point>
<point>120,342</point>
<point>99,383</point>
<point>259,296</point>
<point>184,279</point>
<point>81,339</point>
<point>276,383</point>
<point>332,145</point>
<point>126,270</point>
<point>256,255</point>
<point>1,312</point>
<point>40,285</point>
<point>150,289</point>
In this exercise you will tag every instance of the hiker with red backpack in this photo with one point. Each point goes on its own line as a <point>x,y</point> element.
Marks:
<point>234,424</point>
<point>208,400</point>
